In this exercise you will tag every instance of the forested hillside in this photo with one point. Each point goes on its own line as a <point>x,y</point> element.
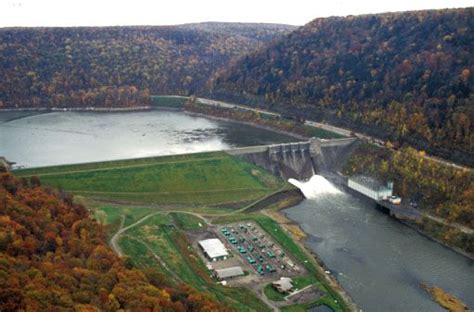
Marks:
<point>259,32</point>
<point>53,258</point>
<point>441,191</point>
<point>117,66</point>
<point>406,77</point>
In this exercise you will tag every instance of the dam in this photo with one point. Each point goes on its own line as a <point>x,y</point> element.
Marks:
<point>299,160</point>
<point>367,251</point>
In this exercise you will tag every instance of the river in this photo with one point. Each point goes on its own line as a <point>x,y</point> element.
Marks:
<point>33,140</point>
<point>379,261</point>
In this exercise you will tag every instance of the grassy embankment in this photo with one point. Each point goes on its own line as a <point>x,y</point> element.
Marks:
<point>213,185</point>
<point>168,101</point>
<point>205,179</point>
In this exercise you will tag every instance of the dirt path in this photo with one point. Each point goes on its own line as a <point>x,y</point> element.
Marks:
<point>299,291</point>
<point>114,239</point>
<point>158,258</point>
<point>460,227</point>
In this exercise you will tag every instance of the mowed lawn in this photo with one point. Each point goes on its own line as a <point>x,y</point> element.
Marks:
<point>199,179</point>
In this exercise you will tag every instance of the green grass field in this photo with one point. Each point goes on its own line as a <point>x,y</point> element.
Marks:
<point>195,179</point>
<point>215,185</point>
<point>160,243</point>
<point>168,101</point>
<point>321,133</point>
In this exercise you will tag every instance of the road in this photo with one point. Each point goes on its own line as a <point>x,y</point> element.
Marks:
<point>338,130</point>
<point>122,230</point>
<point>114,239</point>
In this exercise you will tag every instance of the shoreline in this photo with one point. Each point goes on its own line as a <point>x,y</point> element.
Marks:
<point>331,280</point>
<point>248,123</point>
<point>423,233</point>
<point>77,109</point>
<point>409,223</point>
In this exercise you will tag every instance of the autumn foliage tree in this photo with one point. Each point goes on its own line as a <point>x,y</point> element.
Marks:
<point>117,66</point>
<point>405,77</point>
<point>53,258</point>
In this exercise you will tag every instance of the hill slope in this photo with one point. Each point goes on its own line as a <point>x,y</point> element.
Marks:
<point>261,32</point>
<point>406,77</point>
<point>117,66</point>
<point>53,257</point>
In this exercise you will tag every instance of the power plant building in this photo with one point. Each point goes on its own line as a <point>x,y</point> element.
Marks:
<point>371,187</point>
<point>229,272</point>
<point>214,249</point>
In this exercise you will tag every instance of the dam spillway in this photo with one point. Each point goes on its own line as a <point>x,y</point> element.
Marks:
<point>298,160</point>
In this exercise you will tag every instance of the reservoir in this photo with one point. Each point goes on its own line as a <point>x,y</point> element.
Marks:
<point>379,261</point>
<point>34,140</point>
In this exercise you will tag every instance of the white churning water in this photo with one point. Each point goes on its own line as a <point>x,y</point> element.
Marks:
<point>315,186</point>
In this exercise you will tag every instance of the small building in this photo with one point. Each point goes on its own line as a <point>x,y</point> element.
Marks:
<point>284,285</point>
<point>229,272</point>
<point>214,249</point>
<point>370,187</point>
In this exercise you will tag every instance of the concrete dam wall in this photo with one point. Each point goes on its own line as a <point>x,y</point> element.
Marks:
<point>329,156</point>
<point>300,160</point>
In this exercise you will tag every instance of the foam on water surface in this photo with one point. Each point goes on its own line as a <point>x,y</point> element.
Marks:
<point>315,187</point>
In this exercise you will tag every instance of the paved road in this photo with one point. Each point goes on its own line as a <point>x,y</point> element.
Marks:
<point>338,130</point>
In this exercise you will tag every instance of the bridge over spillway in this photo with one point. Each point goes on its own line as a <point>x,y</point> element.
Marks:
<point>299,160</point>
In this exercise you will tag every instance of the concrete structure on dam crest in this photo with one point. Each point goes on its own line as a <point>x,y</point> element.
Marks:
<point>300,160</point>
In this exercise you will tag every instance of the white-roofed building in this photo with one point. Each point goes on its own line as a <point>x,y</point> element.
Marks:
<point>370,187</point>
<point>229,272</point>
<point>284,285</point>
<point>214,249</point>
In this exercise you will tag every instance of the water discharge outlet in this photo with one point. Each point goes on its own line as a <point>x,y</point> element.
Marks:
<point>315,187</point>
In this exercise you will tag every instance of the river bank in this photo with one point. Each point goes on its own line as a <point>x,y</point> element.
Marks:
<point>214,111</point>
<point>299,236</point>
<point>418,227</point>
<point>372,256</point>
<point>77,109</point>
<point>249,123</point>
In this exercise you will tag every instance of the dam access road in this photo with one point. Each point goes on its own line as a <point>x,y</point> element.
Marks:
<point>325,126</point>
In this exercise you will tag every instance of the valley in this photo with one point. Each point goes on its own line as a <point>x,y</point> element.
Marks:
<point>226,166</point>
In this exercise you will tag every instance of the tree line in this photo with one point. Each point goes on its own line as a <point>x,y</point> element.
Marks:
<point>405,77</point>
<point>116,66</point>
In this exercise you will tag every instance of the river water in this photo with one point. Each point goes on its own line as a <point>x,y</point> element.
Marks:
<point>379,261</point>
<point>33,140</point>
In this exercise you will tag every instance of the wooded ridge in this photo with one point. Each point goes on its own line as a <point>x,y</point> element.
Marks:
<point>404,77</point>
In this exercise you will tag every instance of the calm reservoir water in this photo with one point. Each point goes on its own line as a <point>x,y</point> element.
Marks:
<point>33,140</point>
<point>378,260</point>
